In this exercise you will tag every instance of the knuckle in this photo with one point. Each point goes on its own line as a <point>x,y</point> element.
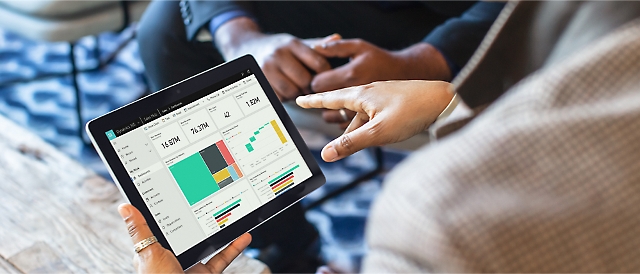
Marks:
<point>295,42</point>
<point>369,86</point>
<point>280,86</point>
<point>378,135</point>
<point>270,61</point>
<point>132,229</point>
<point>268,65</point>
<point>318,62</point>
<point>358,92</point>
<point>346,143</point>
<point>279,52</point>
<point>375,129</point>
<point>351,75</point>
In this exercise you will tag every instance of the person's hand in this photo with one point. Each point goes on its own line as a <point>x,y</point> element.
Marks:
<point>387,112</point>
<point>369,63</point>
<point>285,59</point>
<point>157,259</point>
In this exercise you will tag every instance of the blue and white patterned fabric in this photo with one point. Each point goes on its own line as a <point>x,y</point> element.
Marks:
<point>47,107</point>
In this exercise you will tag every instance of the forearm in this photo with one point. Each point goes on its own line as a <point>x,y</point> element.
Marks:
<point>233,33</point>
<point>425,62</point>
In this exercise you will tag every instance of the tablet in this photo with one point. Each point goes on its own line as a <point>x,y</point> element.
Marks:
<point>207,159</point>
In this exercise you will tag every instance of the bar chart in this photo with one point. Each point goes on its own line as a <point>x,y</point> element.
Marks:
<point>283,181</point>
<point>274,125</point>
<point>227,206</point>
<point>278,177</point>
<point>260,142</point>
<point>222,216</point>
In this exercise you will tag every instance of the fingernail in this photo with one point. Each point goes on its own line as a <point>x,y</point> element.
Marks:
<point>329,154</point>
<point>124,211</point>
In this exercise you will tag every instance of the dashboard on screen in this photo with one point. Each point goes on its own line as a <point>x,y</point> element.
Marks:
<point>205,161</point>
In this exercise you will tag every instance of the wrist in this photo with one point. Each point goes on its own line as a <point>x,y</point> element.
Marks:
<point>233,34</point>
<point>426,62</point>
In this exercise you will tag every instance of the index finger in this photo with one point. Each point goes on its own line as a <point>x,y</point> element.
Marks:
<point>340,48</point>
<point>337,99</point>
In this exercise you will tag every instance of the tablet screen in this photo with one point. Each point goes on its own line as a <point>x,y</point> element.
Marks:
<point>205,161</point>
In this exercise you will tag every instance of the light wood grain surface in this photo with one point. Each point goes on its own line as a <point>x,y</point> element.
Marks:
<point>58,216</point>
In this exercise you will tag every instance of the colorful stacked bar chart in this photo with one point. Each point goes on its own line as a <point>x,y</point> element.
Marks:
<point>206,172</point>
<point>222,216</point>
<point>283,181</point>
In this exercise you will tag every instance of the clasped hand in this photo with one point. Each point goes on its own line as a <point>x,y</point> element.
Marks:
<point>296,66</point>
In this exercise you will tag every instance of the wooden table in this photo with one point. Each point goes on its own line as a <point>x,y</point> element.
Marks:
<point>58,216</point>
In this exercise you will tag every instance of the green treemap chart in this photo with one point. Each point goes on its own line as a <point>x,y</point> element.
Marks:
<point>205,172</point>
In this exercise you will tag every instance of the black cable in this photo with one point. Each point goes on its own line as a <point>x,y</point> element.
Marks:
<point>124,5</point>
<point>76,89</point>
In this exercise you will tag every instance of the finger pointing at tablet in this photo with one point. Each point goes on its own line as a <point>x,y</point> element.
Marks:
<point>387,112</point>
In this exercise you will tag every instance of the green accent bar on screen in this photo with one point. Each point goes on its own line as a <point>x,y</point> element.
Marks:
<point>256,132</point>
<point>227,207</point>
<point>249,147</point>
<point>252,139</point>
<point>283,174</point>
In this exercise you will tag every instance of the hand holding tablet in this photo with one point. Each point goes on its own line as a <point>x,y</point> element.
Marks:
<point>155,259</point>
<point>207,159</point>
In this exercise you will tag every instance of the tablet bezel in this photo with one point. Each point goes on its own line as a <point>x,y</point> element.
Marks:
<point>97,127</point>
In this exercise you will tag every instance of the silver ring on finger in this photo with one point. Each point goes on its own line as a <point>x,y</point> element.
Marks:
<point>343,113</point>
<point>139,246</point>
